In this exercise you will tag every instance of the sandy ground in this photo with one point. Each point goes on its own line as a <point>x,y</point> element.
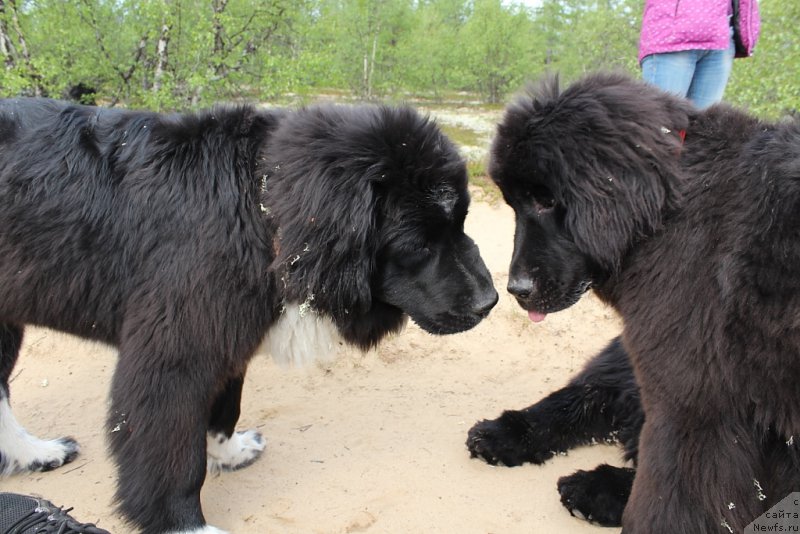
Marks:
<point>369,443</point>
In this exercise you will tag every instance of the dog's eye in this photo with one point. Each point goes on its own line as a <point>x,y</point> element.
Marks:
<point>413,257</point>
<point>543,199</point>
<point>420,253</point>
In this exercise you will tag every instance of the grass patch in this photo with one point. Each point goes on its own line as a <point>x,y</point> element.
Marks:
<point>482,187</point>
<point>461,135</point>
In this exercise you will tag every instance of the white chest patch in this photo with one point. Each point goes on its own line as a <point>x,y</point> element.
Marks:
<point>301,337</point>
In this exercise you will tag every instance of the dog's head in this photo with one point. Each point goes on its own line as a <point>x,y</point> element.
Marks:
<point>370,202</point>
<point>589,172</point>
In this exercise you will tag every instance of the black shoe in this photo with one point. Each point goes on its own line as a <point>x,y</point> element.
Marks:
<point>23,514</point>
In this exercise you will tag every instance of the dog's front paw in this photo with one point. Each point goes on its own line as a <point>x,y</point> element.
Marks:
<point>597,496</point>
<point>235,452</point>
<point>22,452</point>
<point>508,440</point>
<point>54,454</point>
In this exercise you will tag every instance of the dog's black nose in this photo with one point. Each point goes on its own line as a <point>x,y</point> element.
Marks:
<point>521,287</point>
<point>485,305</point>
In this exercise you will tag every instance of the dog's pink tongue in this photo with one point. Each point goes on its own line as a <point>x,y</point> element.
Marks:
<point>536,317</point>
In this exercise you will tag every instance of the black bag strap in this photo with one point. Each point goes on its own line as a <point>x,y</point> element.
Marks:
<point>741,49</point>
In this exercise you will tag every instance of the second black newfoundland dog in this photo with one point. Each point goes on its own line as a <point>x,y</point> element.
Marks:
<point>696,242</point>
<point>185,239</point>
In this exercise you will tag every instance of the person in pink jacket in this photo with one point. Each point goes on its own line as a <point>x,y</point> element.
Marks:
<point>687,47</point>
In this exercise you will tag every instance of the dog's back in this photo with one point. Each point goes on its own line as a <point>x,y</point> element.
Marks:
<point>95,198</point>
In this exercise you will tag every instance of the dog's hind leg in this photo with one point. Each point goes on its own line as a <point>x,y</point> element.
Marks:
<point>20,451</point>
<point>600,404</point>
<point>228,449</point>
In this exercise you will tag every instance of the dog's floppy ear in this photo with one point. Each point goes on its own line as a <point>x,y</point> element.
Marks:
<point>612,147</point>
<point>320,189</point>
<point>615,207</point>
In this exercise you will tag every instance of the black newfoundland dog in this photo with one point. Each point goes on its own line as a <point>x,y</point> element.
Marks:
<point>185,239</point>
<point>696,243</point>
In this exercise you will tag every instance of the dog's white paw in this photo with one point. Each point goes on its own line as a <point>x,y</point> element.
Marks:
<point>229,454</point>
<point>20,451</point>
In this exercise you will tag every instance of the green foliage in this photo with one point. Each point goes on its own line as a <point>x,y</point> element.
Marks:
<point>430,57</point>
<point>14,81</point>
<point>353,43</point>
<point>769,82</point>
<point>583,35</point>
<point>498,45</point>
<point>175,54</point>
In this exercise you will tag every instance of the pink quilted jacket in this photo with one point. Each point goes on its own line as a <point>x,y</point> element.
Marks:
<point>675,25</point>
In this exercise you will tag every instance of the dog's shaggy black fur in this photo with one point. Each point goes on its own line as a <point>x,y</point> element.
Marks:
<point>697,245</point>
<point>180,239</point>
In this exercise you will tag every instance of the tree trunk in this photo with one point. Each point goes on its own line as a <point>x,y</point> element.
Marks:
<point>219,51</point>
<point>372,65</point>
<point>6,44</point>
<point>162,56</point>
<point>33,75</point>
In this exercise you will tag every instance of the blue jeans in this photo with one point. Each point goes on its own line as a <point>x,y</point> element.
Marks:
<point>699,75</point>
